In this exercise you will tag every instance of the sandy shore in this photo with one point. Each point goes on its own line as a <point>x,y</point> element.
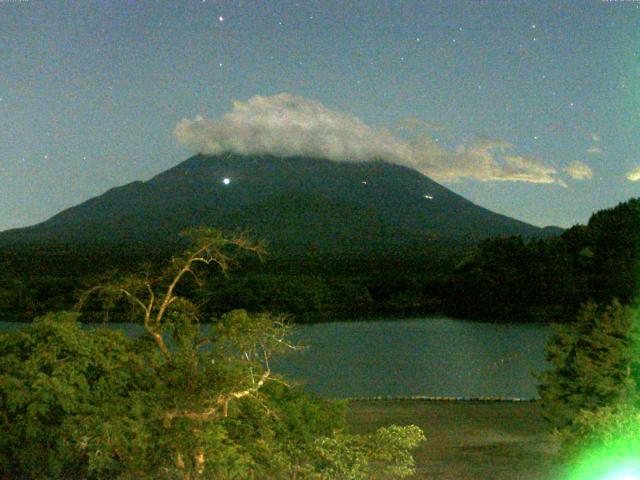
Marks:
<point>468,439</point>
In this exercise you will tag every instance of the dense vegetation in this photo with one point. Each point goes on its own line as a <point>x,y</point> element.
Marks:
<point>507,278</point>
<point>595,363</point>
<point>591,394</point>
<point>176,402</point>
<point>499,279</point>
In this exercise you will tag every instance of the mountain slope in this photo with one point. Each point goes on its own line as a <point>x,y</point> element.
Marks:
<point>291,201</point>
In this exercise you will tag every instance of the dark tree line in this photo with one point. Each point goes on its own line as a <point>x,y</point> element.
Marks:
<point>510,279</point>
<point>499,279</point>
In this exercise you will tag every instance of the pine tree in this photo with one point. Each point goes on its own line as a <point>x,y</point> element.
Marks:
<point>593,363</point>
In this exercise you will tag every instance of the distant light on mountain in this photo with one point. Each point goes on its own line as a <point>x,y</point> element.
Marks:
<point>293,201</point>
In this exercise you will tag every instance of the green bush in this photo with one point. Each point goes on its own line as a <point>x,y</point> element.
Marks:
<point>594,363</point>
<point>56,381</point>
<point>174,403</point>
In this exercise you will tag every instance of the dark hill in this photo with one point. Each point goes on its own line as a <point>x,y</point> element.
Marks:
<point>294,202</point>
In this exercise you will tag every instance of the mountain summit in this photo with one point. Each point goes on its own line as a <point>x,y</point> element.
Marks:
<point>293,202</point>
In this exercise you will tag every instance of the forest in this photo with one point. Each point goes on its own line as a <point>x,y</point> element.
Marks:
<point>504,279</point>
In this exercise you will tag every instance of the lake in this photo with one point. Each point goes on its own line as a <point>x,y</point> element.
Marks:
<point>435,356</point>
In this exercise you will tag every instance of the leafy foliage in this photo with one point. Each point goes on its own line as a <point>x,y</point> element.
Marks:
<point>178,402</point>
<point>594,363</point>
<point>614,429</point>
<point>56,379</point>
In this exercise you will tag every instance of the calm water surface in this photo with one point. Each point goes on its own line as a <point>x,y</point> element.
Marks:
<point>435,356</point>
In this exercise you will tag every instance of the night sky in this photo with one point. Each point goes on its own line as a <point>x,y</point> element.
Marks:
<point>531,109</point>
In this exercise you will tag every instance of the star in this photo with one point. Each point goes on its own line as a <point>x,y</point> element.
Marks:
<point>221,18</point>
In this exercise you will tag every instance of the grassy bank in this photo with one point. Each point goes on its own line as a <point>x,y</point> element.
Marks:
<point>468,440</point>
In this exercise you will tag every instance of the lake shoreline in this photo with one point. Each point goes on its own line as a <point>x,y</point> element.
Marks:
<point>426,357</point>
<point>468,439</point>
<point>322,320</point>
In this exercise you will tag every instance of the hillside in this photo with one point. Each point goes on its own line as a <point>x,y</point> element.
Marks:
<point>293,202</point>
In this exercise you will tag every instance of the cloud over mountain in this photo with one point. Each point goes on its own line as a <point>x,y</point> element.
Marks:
<point>633,175</point>
<point>579,170</point>
<point>286,125</point>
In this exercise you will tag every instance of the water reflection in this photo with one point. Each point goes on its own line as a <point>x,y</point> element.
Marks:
<point>430,357</point>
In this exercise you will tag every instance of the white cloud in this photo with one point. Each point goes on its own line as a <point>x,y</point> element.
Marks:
<point>634,175</point>
<point>579,170</point>
<point>416,125</point>
<point>483,160</point>
<point>285,125</point>
<point>594,150</point>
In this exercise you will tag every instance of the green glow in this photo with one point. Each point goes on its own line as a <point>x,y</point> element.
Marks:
<point>608,465</point>
<point>625,472</point>
<point>613,446</point>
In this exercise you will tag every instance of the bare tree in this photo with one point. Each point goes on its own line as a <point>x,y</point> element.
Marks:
<point>154,296</point>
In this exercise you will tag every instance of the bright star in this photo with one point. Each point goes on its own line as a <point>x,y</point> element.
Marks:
<point>221,18</point>
<point>226,181</point>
